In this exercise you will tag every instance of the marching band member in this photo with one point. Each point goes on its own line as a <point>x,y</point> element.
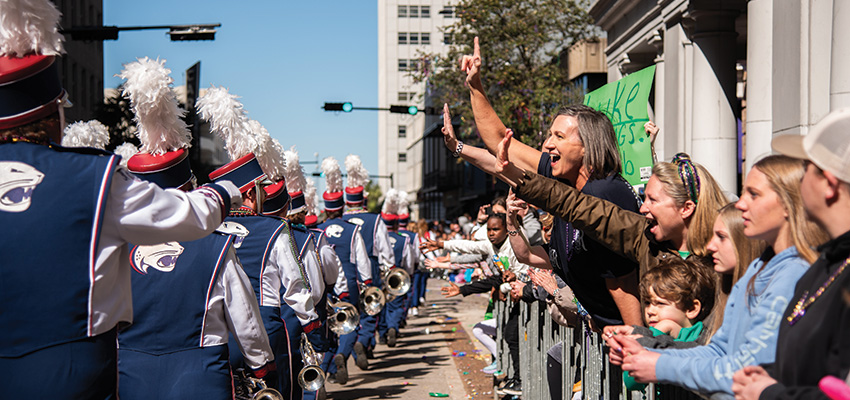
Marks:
<point>264,244</point>
<point>351,249</point>
<point>411,300</point>
<point>308,254</point>
<point>67,288</point>
<point>377,246</point>
<point>188,296</point>
<point>393,312</point>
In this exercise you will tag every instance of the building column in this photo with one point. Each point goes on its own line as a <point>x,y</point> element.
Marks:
<point>839,77</point>
<point>759,80</point>
<point>657,41</point>
<point>714,124</point>
<point>673,125</point>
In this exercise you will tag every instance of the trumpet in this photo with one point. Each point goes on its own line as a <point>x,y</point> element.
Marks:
<point>396,282</point>
<point>251,388</point>
<point>372,300</point>
<point>343,317</point>
<point>311,377</point>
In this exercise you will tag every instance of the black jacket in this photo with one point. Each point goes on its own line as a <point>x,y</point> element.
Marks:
<point>818,344</point>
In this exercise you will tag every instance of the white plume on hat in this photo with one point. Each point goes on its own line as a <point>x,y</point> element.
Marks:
<point>158,116</point>
<point>403,203</point>
<point>269,152</point>
<point>29,26</point>
<point>333,176</point>
<point>126,150</point>
<point>86,134</point>
<point>310,197</point>
<point>294,173</point>
<point>227,118</point>
<point>357,173</point>
<point>392,201</point>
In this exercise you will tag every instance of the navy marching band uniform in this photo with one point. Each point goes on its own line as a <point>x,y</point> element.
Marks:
<point>84,302</point>
<point>393,311</point>
<point>187,297</point>
<point>380,253</point>
<point>350,248</point>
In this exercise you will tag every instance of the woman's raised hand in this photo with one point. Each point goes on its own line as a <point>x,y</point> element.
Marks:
<point>448,130</point>
<point>471,64</point>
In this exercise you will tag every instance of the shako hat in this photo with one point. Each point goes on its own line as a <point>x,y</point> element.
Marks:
<point>295,181</point>
<point>30,42</point>
<point>165,139</point>
<point>333,185</point>
<point>358,178</point>
<point>227,118</point>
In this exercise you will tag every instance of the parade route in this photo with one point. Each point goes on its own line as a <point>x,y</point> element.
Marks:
<point>436,353</point>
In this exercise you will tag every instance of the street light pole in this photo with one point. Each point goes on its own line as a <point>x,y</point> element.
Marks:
<point>176,32</point>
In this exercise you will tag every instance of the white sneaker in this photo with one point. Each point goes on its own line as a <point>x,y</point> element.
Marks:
<point>414,311</point>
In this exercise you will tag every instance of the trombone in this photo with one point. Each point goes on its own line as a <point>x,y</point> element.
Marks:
<point>396,282</point>
<point>311,377</point>
<point>343,317</point>
<point>372,299</point>
<point>251,388</point>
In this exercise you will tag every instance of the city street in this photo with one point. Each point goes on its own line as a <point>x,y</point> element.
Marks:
<point>436,353</point>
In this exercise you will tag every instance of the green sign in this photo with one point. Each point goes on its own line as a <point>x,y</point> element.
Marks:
<point>625,102</point>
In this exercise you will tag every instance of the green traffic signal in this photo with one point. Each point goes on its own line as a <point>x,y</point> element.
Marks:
<point>346,107</point>
<point>413,110</point>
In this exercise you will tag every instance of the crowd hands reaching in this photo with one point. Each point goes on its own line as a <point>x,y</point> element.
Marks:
<point>725,297</point>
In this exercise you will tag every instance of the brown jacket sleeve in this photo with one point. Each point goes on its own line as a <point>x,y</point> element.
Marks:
<point>619,230</point>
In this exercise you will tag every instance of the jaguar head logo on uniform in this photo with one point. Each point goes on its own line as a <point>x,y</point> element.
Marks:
<point>334,230</point>
<point>17,182</point>
<point>162,257</point>
<point>392,240</point>
<point>356,221</point>
<point>235,229</point>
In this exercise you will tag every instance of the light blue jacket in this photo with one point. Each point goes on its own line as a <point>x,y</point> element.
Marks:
<point>748,334</point>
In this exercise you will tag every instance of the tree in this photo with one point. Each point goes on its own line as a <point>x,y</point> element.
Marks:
<point>373,202</point>
<point>524,47</point>
<point>116,114</point>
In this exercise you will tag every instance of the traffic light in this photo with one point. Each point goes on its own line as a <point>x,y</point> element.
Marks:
<point>345,107</point>
<point>412,110</point>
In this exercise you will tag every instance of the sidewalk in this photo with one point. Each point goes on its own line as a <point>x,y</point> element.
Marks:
<point>423,362</point>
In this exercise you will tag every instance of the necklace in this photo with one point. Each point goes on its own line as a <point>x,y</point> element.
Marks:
<point>806,300</point>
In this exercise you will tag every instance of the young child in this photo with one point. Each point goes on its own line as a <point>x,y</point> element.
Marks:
<point>677,295</point>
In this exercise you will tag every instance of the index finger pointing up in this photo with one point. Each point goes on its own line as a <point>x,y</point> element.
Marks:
<point>476,50</point>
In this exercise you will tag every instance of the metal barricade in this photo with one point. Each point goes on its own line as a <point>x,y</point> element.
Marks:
<point>584,357</point>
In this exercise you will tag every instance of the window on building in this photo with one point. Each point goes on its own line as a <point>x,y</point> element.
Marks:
<point>402,131</point>
<point>448,12</point>
<point>447,38</point>
<point>414,12</point>
<point>425,38</point>
<point>402,157</point>
<point>402,11</point>
<point>403,65</point>
<point>414,38</point>
<point>402,38</point>
<point>425,12</point>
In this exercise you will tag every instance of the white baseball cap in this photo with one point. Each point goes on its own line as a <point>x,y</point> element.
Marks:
<point>827,145</point>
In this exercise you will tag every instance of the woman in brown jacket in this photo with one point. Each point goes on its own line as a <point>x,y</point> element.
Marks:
<point>682,201</point>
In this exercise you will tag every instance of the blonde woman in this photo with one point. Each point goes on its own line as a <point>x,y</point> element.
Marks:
<point>772,210</point>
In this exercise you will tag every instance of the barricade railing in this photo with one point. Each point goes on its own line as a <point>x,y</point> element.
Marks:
<point>583,356</point>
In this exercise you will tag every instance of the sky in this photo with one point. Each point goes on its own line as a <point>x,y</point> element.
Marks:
<point>284,58</point>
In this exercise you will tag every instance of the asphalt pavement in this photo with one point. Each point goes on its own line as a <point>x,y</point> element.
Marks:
<point>436,355</point>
